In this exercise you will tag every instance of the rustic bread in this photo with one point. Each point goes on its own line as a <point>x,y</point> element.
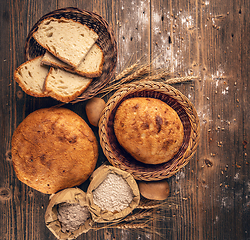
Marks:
<point>68,40</point>
<point>65,86</point>
<point>148,129</point>
<point>31,77</point>
<point>90,67</point>
<point>53,149</point>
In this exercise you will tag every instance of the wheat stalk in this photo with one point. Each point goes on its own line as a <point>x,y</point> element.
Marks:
<point>139,71</point>
<point>138,74</point>
<point>147,204</point>
<point>122,225</point>
<point>129,70</point>
<point>141,218</point>
<point>142,73</point>
<point>144,70</point>
<point>180,80</point>
<point>138,215</point>
<point>157,75</point>
<point>138,218</point>
<point>125,72</point>
<point>132,225</point>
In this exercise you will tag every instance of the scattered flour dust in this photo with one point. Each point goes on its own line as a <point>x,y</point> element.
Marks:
<point>218,79</point>
<point>113,194</point>
<point>170,46</point>
<point>129,34</point>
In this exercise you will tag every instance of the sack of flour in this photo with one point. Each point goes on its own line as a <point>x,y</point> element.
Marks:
<point>67,215</point>
<point>112,194</point>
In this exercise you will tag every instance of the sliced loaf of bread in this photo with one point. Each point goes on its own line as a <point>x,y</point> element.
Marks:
<point>66,39</point>
<point>31,76</point>
<point>65,86</point>
<point>91,66</point>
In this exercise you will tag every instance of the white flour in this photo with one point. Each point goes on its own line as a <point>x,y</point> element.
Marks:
<point>113,194</point>
<point>72,216</point>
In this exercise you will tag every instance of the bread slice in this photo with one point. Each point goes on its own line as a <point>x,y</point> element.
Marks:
<point>66,39</point>
<point>31,76</point>
<point>91,66</point>
<point>65,86</point>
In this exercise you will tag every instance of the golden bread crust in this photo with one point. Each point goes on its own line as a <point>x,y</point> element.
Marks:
<point>26,87</point>
<point>53,149</point>
<point>148,129</point>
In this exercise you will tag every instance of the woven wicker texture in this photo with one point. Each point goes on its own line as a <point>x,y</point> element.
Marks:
<point>118,157</point>
<point>106,41</point>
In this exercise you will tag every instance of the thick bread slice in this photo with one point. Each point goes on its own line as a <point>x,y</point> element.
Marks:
<point>68,40</point>
<point>65,86</point>
<point>91,66</point>
<point>31,76</point>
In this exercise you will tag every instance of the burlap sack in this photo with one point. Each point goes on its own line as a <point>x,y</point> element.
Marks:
<point>69,195</point>
<point>97,178</point>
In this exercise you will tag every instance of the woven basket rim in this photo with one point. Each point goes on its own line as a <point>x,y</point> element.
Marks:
<point>109,63</point>
<point>143,171</point>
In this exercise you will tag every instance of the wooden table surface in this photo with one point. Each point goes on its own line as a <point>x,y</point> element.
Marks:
<point>207,38</point>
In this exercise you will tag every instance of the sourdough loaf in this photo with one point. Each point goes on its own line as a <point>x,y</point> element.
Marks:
<point>31,77</point>
<point>65,86</point>
<point>149,129</point>
<point>90,67</point>
<point>66,39</point>
<point>53,149</point>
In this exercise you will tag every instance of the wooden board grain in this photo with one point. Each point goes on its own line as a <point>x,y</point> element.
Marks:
<point>209,198</point>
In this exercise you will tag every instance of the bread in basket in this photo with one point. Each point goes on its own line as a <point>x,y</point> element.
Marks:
<point>106,42</point>
<point>118,157</point>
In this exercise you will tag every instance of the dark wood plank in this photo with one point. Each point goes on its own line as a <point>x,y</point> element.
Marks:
<point>21,208</point>
<point>212,47</point>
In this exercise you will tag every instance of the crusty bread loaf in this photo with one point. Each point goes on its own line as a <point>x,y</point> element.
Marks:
<point>66,39</point>
<point>65,86</point>
<point>149,129</point>
<point>53,149</point>
<point>31,77</point>
<point>90,67</point>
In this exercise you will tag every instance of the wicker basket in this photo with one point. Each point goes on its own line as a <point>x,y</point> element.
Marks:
<point>118,157</point>
<point>106,41</point>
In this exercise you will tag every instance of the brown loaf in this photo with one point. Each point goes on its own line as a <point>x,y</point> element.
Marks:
<point>148,129</point>
<point>53,149</point>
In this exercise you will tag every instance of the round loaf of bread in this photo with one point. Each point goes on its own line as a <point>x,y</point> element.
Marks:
<point>149,129</point>
<point>53,149</point>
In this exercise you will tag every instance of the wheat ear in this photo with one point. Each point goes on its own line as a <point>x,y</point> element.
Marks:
<point>145,70</point>
<point>138,215</point>
<point>180,80</point>
<point>131,225</point>
<point>125,72</point>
